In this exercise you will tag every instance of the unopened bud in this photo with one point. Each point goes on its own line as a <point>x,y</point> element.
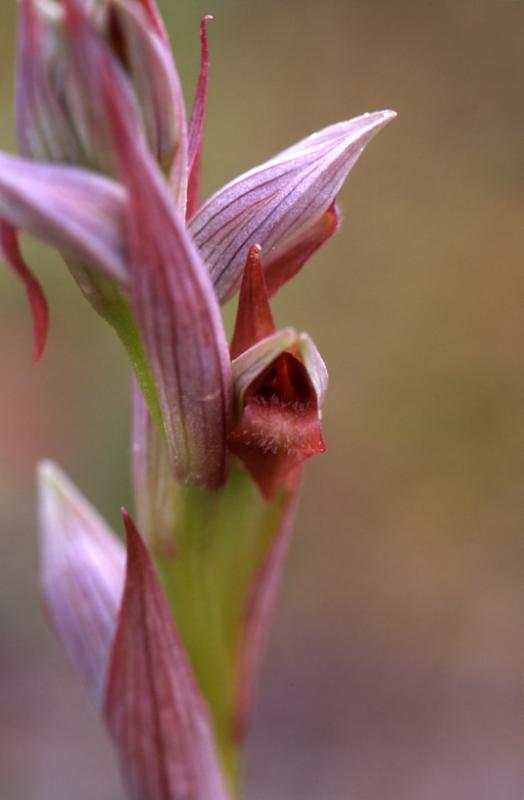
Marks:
<point>60,112</point>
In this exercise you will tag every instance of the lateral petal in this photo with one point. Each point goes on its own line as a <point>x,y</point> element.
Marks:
<point>275,202</point>
<point>82,573</point>
<point>155,712</point>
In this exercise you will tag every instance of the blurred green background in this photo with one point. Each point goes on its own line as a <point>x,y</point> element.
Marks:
<point>394,669</point>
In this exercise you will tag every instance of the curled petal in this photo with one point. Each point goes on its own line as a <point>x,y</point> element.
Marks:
<point>196,123</point>
<point>280,202</point>
<point>82,568</point>
<point>315,366</point>
<point>78,212</point>
<point>10,250</point>
<point>178,316</point>
<point>250,364</point>
<point>156,715</point>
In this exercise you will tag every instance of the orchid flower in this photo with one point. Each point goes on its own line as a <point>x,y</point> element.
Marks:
<point>168,631</point>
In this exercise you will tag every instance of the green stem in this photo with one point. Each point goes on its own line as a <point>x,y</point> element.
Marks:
<point>220,541</point>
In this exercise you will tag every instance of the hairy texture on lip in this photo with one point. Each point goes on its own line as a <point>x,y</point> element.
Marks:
<point>280,426</point>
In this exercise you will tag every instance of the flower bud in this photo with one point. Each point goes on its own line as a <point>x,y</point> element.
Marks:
<point>60,113</point>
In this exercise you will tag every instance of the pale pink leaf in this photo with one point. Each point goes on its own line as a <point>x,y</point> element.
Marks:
<point>82,573</point>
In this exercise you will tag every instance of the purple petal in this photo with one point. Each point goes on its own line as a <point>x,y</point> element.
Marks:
<point>178,316</point>
<point>196,124</point>
<point>155,712</point>
<point>280,201</point>
<point>76,211</point>
<point>155,19</point>
<point>86,59</point>
<point>155,81</point>
<point>10,250</point>
<point>43,128</point>
<point>82,568</point>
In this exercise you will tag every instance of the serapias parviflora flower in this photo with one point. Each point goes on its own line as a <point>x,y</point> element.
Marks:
<point>109,176</point>
<point>280,382</point>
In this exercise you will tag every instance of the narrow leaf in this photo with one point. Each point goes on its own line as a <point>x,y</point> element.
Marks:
<point>82,568</point>
<point>154,710</point>
<point>178,315</point>
<point>196,123</point>
<point>280,202</point>
<point>10,250</point>
<point>76,211</point>
<point>254,319</point>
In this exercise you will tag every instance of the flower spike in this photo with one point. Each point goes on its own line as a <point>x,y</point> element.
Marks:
<point>178,316</point>
<point>10,250</point>
<point>196,123</point>
<point>154,710</point>
<point>279,204</point>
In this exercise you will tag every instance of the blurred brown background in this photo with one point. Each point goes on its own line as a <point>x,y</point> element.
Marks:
<point>395,667</point>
